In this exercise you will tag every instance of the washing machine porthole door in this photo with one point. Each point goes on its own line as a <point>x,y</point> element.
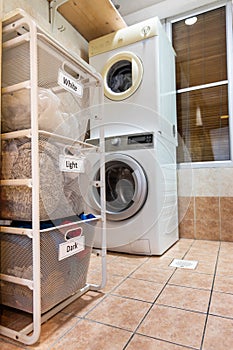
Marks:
<point>122,75</point>
<point>126,187</point>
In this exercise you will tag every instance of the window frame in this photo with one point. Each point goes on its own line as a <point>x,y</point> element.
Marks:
<point>229,53</point>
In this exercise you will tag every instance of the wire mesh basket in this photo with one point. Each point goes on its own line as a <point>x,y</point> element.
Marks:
<point>60,193</point>
<point>59,278</point>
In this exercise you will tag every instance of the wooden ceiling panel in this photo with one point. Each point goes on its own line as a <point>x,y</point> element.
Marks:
<point>92,18</point>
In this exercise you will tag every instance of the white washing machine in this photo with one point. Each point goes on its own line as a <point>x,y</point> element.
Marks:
<point>141,193</point>
<point>138,68</point>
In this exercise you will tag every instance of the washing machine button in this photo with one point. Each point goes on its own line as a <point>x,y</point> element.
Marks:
<point>146,31</point>
<point>116,141</point>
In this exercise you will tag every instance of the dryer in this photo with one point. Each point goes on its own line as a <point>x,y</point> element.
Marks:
<point>138,68</point>
<point>141,192</point>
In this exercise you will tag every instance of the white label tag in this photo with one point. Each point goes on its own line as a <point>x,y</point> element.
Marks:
<point>71,247</point>
<point>70,84</point>
<point>71,164</point>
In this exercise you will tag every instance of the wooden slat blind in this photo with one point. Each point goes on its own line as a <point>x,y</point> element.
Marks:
<point>203,121</point>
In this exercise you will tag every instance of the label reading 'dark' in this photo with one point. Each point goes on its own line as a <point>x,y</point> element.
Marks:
<point>70,84</point>
<point>71,247</point>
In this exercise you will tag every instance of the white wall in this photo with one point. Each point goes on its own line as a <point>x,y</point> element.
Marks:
<point>39,9</point>
<point>165,9</point>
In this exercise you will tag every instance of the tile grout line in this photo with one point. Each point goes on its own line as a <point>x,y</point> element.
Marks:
<point>166,283</point>
<point>109,293</point>
<point>211,293</point>
<point>106,294</point>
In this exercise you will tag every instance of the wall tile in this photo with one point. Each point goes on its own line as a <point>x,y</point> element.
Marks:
<point>226,215</point>
<point>185,182</point>
<point>186,208</point>
<point>225,182</point>
<point>208,229</point>
<point>226,230</point>
<point>187,229</point>
<point>207,208</point>
<point>206,182</point>
<point>226,208</point>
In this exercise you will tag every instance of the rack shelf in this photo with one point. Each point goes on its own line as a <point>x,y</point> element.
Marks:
<point>44,243</point>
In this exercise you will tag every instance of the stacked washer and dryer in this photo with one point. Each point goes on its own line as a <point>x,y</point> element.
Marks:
<point>138,68</point>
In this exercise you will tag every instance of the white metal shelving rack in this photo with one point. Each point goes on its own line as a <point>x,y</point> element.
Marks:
<point>23,42</point>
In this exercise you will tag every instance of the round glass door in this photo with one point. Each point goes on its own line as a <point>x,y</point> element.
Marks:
<point>122,76</point>
<point>126,187</point>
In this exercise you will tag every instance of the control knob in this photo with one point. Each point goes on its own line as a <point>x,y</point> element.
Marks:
<point>115,141</point>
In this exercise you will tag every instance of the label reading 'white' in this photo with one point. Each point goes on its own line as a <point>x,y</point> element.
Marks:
<point>71,247</point>
<point>69,83</point>
<point>71,164</point>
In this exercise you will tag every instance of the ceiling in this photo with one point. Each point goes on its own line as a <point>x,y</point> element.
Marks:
<point>126,7</point>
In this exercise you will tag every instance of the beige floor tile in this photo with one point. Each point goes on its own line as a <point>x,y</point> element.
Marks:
<point>112,281</point>
<point>185,298</point>
<point>174,254</point>
<point>120,312</point>
<point>191,279</point>
<point>14,319</point>
<point>201,256</point>
<point>186,241</point>
<point>219,334</point>
<point>199,243</point>
<point>89,335</point>
<point>139,289</point>
<point>212,250</point>
<point>6,345</point>
<point>83,304</point>
<point>150,273</point>
<point>53,329</point>
<point>160,262</point>
<point>140,342</point>
<point>133,260</point>
<point>226,253</point>
<point>176,251</point>
<point>96,260</point>
<point>176,320</point>
<point>222,304</point>
<point>213,253</point>
<point>226,245</point>
<point>120,268</point>
<point>207,267</point>
<point>225,259</point>
<point>225,268</point>
<point>223,284</point>
<point>174,325</point>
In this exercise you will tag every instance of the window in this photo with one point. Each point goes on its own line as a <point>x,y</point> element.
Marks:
<point>202,86</point>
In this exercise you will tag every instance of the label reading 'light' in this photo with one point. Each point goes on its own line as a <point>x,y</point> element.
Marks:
<point>71,164</point>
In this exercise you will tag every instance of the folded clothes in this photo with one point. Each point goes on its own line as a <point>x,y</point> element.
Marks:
<point>60,194</point>
<point>86,216</point>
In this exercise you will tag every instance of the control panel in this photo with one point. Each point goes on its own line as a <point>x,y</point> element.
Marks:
<point>127,142</point>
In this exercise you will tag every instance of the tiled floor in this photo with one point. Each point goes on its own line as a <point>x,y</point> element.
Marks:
<point>148,305</point>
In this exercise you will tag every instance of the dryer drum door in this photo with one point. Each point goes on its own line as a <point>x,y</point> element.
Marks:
<point>126,187</point>
<point>122,75</point>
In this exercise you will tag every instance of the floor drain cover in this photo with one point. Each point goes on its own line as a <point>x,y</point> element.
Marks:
<point>184,264</point>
